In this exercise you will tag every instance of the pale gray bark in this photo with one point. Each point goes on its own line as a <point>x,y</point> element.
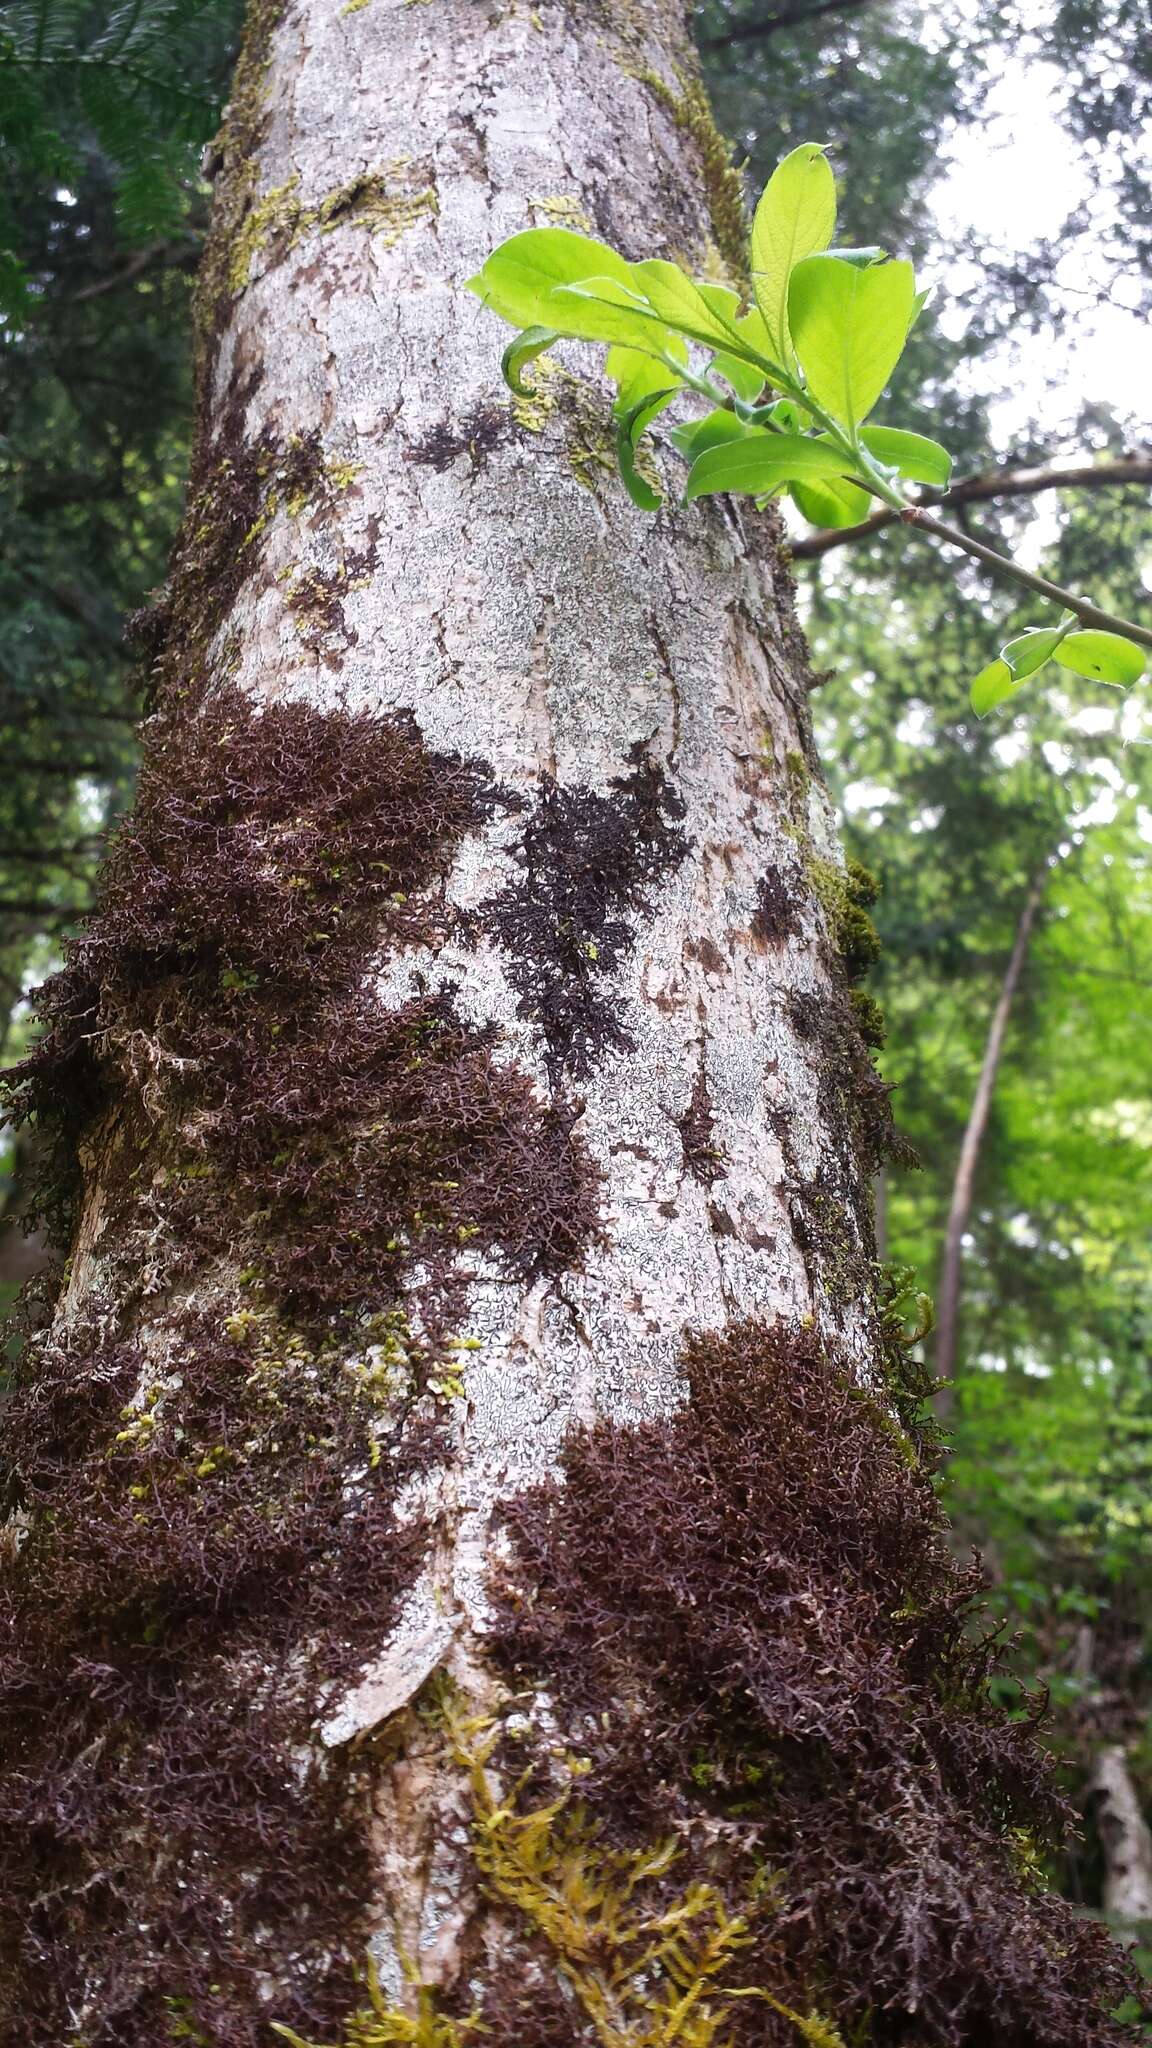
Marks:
<point>545,627</point>
<point>1125,1838</point>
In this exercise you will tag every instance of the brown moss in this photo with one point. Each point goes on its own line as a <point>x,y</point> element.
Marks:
<point>315,596</point>
<point>753,1629</point>
<point>197,1576</point>
<point>213,1545</point>
<point>702,1156</point>
<point>478,434</point>
<point>586,860</point>
<point>776,917</point>
<point>236,488</point>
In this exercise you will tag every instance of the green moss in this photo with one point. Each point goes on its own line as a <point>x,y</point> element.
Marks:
<point>235,183</point>
<point>904,1318</point>
<point>564,212</point>
<point>534,411</point>
<point>584,416</point>
<point>380,2024</point>
<point>273,215</point>
<point>279,222</point>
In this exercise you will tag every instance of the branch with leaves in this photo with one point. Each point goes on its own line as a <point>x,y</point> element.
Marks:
<point>790,384</point>
<point>991,484</point>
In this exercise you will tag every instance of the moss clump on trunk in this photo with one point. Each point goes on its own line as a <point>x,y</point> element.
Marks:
<point>294,1183</point>
<point>212,1545</point>
<point>751,1627</point>
<point>586,860</point>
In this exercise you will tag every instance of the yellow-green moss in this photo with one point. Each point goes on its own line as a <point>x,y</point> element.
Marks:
<point>723,180</point>
<point>273,215</point>
<point>641,1961</point>
<point>563,211</point>
<point>278,220</point>
<point>380,2024</point>
<point>586,422</point>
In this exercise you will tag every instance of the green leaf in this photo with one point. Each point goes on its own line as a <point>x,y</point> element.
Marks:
<point>921,460</point>
<point>712,431</point>
<point>524,349</point>
<point>848,328</point>
<point>992,686</point>
<point>519,277</point>
<point>603,309</point>
<point>831,501</point>
<point>863,258</point>
<point>638,375</point>
<point>1030,650</point>
<point>1019,659</point>
<point>1107,657</point>
<point>746,380</point>
<point>761,462</point>
<point>721,300</point>
<point>629,428</point>
<point>676,300</point>
<point>796,217</point>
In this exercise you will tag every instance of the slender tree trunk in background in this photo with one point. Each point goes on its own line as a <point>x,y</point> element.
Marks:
<point>462,1365</point>
<point>1124,1837</point>
<point>960,1208</point>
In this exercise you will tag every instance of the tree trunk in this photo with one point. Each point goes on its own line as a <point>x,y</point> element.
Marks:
<point>964,1181</point>
<point>1125,1839</point>
<point>462,1368</point>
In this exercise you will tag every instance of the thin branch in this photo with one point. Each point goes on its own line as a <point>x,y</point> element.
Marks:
<point>960,1208</point>
<point>993,483</point>
<point>787,17</point>
<point>1088,614</point>
<point>127,272</point>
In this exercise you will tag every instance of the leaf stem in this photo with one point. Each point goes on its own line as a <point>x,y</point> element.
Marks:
<point>1088,614</point>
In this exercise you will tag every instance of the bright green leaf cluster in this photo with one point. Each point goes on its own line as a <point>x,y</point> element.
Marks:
<point>789,381</point>
<point>1106,657</point>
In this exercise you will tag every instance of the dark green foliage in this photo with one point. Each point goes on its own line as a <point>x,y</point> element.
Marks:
<point>136,85</point>
<point>752,1621</point>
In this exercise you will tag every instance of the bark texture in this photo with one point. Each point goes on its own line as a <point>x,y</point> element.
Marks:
<point>467,1023</point>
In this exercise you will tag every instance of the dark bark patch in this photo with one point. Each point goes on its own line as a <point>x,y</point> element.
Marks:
<point>587,860</point>
<point>762,1643</point>
<point>708,953</point>
<point>776,916</point>
<point>703,1158</point>
<point>477,436</point>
